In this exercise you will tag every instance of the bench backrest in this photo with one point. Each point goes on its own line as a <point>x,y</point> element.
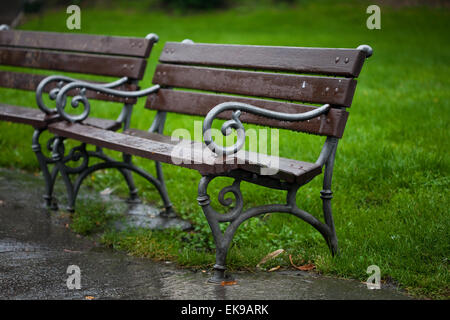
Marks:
<point>77,53</point>
<point>275,78</point>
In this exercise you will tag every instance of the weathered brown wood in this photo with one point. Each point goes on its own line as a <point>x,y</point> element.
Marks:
<point>337,91</point>
<point>195,103</point>
<point>151,136</point>
<point>290,170</point>
<point>105,124</point>
<point>30,81</point>
<point>33,117</point>
<point>74,62</point>
<point>286,169</point>
<point>161,149</point>
<point>343,62</point>
<point>111,45</point>
<point>129,144</point>
<point>38,119</point>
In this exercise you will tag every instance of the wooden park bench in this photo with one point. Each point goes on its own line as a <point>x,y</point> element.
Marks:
<point>253,84</point>
<point>124,58</point>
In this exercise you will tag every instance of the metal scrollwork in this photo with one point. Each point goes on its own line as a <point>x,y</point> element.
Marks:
<point>62,94</point>
<point>53,92</point>
<point>236,216</point>
<point>84,169</point>
<point>63,80</point>
<point>50,142</point>
<point>226,202</point>
<point>75,155</point>
<point>61,101</point>
<point>236,124</point>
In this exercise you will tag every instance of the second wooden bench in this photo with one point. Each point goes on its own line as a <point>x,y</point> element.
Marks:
<point>124,58</point>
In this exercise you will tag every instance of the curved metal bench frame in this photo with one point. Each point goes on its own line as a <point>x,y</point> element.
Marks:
<point>237,215</point>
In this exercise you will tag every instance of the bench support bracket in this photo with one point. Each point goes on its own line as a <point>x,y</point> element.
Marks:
<point>83,170</point>
<point>237,215</point>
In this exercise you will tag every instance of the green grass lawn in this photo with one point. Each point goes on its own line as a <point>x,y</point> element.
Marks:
<point>391,179</point>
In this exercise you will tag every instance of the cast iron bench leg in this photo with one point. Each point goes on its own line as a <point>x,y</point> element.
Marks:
<point>326,194</point>
<point>134,197</point>
<point>49,178</point>
<point>236,216</point>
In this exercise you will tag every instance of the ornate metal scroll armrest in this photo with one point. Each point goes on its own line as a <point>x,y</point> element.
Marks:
<point>60,82</point>
<point>60,95</point>
<point>236,124</point>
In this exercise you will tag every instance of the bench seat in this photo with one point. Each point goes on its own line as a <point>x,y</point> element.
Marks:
<point>39,120</point>
<point>31,116</point>
<point>161,148</point>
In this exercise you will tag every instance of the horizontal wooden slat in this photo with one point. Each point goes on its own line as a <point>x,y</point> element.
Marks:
<point>195,103</point>
<point>286,169</point>
<point>39,119</point>
<point>134,145</point>
<point>29,81</point>
<point>343,62</point>
<point>338,91</point>
<point>160,149</point>
<point>100,123</point>
<point>73,62</point>
<point>33,117</point>
<point>151,135</point>
<point>289,169</point>
<point>112,45</point>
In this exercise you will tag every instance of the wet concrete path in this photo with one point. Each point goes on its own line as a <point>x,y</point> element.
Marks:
<point>36,249</point>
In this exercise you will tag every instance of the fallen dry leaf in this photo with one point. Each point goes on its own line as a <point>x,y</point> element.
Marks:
<point>274,268</point>
<point>89,298</point>
<point>271,255</point>
<point>228,283</point>
<point>306,267</point>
